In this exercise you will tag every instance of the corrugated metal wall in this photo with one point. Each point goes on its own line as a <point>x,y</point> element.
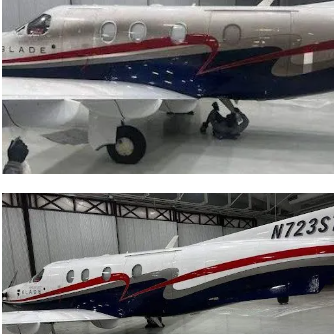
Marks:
<point>140,234</point>
<point>18,12</point>
<point>161,2</point>
<point>230,230</point>
<point>192,233</point>
<point>14,247</point>
<point>61,236</point>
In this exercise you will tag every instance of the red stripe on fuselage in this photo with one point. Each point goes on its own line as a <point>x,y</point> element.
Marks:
<point>166,42</point>
<point>78,286</point>
<point>323,46</point>
<point>150,44</point>
<point>281,255</point>
<point>242,263</point>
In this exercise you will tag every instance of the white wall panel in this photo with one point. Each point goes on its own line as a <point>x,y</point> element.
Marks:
<point>111,2</point>
<point>14,247</point>
<point>18,12</point>
<point>61,236</point>
<point>218,2</point>
<point>140,235</point>
<point>192,233</point>
<point>231,230</point>
<point>174,2</point>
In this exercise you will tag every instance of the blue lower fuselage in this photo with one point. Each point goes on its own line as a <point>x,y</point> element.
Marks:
<point>290,282</point>
<point>180,74</point>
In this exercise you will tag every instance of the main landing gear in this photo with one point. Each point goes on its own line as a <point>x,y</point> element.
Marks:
<point>154,322</point>
<point>283,300</point>
<point>130,145</point>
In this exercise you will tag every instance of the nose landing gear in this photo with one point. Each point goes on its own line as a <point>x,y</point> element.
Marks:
<point>283,300</point>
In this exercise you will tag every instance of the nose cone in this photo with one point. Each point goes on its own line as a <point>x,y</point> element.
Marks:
<point>5,295</point>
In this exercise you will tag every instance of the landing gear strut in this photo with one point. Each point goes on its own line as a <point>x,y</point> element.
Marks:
<point>283,300</point>
<point>154,322</point>
<point>130,145</point>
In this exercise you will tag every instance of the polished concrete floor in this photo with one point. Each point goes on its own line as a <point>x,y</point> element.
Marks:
<point>305,315</point>
<point>289,136</point>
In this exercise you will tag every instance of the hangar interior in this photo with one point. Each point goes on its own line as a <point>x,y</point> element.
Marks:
<point>284,136</point>
<point>38,229</point>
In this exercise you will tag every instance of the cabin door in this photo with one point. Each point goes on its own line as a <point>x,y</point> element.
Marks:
<point>78,34</point>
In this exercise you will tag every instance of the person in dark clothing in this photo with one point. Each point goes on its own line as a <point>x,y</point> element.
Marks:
<point>17,153</point>
<point>229,127</point>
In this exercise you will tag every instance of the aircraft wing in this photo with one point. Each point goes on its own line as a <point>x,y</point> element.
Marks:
<point>52,316</point>
<point>39,102</point>
<point>68,103</point>
<point>19,89</point>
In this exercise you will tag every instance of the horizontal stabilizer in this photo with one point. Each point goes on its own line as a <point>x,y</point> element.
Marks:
<point>172,243</point>
<point>265,3</point>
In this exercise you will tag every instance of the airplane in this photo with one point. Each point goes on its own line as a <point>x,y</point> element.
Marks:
<point>291,257</point>
<point>104,66</point>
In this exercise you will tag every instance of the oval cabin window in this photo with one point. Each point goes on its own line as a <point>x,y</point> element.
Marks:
<point>106,274</point>
<point>232,34</point>
<point>85,275</point>
<point>70,276</point>
<point>137,32</point>
<point>137,270</point>
<point>178,33</point>
<point>108,32</point>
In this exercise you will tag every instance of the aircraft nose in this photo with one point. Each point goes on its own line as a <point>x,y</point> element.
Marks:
<point>4,295</point>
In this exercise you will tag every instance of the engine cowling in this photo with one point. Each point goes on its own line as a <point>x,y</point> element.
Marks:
<point>34,328</point>
<point>105,324</point>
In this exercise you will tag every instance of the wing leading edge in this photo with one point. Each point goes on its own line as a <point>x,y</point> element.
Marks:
<point>52,316</point>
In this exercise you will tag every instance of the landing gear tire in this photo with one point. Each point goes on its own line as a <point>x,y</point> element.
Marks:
<point>283,300</point>
<point>130,146</point>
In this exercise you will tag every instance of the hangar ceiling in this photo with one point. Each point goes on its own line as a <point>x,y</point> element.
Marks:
<point>261,206</point>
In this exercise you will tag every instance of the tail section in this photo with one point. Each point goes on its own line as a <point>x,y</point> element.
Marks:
<point>313,225</point>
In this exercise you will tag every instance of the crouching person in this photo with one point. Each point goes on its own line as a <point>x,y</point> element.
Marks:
<point>229,127</point>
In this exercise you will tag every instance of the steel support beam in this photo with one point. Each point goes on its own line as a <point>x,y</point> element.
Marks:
<point>25,210</point>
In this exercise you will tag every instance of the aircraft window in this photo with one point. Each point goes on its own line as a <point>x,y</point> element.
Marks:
<point>108,32</point>
<point>178,33</point>
<point>70,276</point>
<point>37,278</point>
<point>85,275</point>
<point>137,270</point>
<point>232,34</point>
<point>106,274</point>
<point>40,25</point>
<point>138,32</point>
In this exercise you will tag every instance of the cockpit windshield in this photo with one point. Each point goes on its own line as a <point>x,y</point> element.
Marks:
<point>39,26</point>
<point>37,278</point>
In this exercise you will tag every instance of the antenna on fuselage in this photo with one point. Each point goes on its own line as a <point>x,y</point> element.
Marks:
<point>266,3</point>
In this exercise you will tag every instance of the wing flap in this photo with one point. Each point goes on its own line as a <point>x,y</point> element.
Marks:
<point>51,316</point>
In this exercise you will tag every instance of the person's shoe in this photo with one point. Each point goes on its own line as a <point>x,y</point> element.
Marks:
<point>203,128</point>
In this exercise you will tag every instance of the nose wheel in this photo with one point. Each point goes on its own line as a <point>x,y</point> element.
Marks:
<point>130,146</point>
<point>283,300</point>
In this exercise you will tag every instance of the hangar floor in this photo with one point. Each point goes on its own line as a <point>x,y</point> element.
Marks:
<point>304,314</point>
<point>289,136</point>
